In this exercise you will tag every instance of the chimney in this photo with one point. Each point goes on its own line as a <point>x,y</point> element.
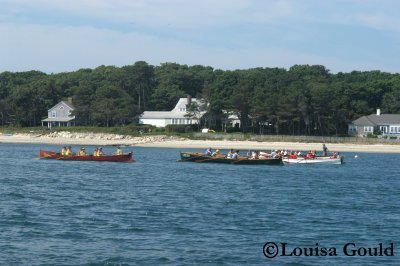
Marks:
<point>189,99</point>
<point>69,100</point>
<point>378,111</point>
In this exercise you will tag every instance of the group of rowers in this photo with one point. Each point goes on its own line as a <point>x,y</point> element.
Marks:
<point>67,151</point>
<point>273,154</point>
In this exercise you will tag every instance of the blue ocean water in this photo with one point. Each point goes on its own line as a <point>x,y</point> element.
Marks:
<point>158,211</point>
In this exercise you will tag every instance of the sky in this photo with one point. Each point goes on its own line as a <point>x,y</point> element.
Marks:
<point>66,35</point>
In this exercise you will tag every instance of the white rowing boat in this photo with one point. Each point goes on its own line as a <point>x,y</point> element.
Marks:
<point>316,160</point>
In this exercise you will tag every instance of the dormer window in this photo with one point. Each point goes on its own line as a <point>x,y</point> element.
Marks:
<point>61,107</point>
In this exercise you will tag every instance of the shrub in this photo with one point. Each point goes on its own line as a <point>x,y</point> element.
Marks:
<point>180,128</point>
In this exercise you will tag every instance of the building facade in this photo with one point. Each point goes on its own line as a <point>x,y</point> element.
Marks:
<point>387,124</point>
<point>60,115</point>
<point>177,116</point>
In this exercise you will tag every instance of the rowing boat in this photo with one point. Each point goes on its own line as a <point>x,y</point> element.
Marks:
<point>201,158</point>
<point>316,160</point>
<point>104,158</point>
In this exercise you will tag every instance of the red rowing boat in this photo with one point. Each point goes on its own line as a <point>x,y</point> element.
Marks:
<point>104,158</point>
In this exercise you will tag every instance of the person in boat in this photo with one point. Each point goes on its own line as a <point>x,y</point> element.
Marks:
<point>324,150</point>
<point>293,155</point>
<point>334,155</point>
<point>208,152</point>
<point>95,152</point>
<point>119,151</point>
<point>68,152</point>
<point>309,155</point>
<point>100,152</point>
<point>216,152</point>
<point>230,154</point>
<point>235,155</point>
<point>63,151</point>
<point>249,154</point>
<point>255,155</point>
<point>82,152</point>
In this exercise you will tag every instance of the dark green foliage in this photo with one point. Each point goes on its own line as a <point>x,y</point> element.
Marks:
<point>181,128</point>
<point>304,100</point>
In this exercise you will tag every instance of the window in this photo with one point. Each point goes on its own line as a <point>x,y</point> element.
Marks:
<point>383,129</point>
<point>368,129</point>
<point>61,107</point>
<point>395,129</point>
<point>53,113</point>
<point>352,128</point>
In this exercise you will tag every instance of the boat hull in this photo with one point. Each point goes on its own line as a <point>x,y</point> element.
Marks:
<point>317,160</point>
<point>201,158</point>
<point>90,158</point>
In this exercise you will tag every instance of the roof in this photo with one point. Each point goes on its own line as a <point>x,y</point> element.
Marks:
<point>179,111</point>
<point>377,120</point>
<point>58,119</point>
<point>69,105</point>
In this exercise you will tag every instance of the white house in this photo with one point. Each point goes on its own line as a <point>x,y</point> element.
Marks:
<point>60,115</point>
<point>177,116</point>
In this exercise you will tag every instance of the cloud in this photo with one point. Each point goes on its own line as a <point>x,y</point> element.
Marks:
<point>55,49</point>
<point>56,36</point>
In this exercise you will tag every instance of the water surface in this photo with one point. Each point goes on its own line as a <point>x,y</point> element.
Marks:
<point>158,211</point>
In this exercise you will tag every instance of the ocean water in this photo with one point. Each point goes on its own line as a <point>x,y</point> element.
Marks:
<point>158,211</point>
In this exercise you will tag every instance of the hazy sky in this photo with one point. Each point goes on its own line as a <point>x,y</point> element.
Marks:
<point>66,35</point>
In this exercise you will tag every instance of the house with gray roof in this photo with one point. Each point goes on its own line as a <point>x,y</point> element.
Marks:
<point>60,115</point>
<point>388,124</point>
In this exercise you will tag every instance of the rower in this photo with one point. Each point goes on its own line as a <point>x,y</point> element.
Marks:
<point>100,152</point>
<point>63,151</point>
<point>119,151</point>
<point>68,152</point>
<point>235,155</point>
<point>82,152</point>
<point>216,153</point>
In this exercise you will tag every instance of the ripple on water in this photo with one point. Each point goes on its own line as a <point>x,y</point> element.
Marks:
<point>159,211</point>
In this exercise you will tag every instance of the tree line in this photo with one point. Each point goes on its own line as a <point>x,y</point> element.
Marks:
<point>301,100</point>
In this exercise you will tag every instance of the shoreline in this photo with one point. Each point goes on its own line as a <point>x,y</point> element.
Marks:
<point>162,141</point>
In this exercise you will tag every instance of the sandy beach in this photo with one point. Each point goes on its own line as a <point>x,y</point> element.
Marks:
<point>67,138</point>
